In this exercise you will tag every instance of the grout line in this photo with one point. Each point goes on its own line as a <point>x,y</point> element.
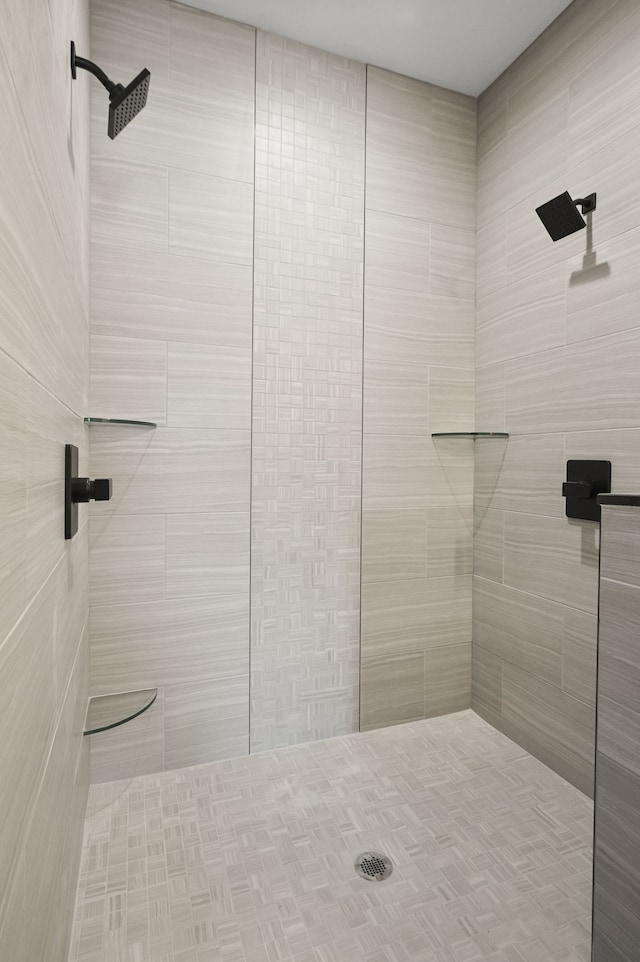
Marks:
<point>253,312</point>
<point>362,391</point>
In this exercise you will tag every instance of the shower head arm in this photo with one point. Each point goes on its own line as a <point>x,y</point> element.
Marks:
<point>588,203</point>
<point>92,68</point>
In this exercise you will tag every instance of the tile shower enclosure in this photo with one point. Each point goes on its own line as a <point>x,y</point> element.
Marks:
<point>293,304</point>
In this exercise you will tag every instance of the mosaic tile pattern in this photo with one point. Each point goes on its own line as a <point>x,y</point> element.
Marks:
<point>307,393</point>
<point>251,859</point>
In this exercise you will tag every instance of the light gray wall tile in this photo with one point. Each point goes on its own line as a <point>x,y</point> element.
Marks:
<point>449,541</point>
<point>554,558</point>
<point>145,294</point>
<point>392,690</point>
<point>397,471</point>
<point>397,254</point>
<point>489,398</point>
<point>417,328</point>
<point>394,544</point>
<point>129,205</point>
<point>403,617</point>
<point>397,397</point>
<point>486,684</point>
<point>519,628</point>
<point>13,493</point>
<point>206,722</point>
<point>208,387</point>
<point>620,556</point>
<point>579,654</point>
<point>451,399</point>
<point>453,259</point>
<point>164,643</point>
<point>172,470</point>
<point>555,727</point>
<point>210,217</point>
<point>523,474</point>
<point>207,555</point>
<point>136,748</point>
<point>128,378</point>
<point>447,680</point>
<point>127,558</point>
<point>488,544</point>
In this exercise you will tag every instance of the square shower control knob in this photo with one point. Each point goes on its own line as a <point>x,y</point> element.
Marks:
<point>101,489</point>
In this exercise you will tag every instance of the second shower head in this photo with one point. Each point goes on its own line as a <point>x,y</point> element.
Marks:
<point>561,217</point>
<point>124,102</point>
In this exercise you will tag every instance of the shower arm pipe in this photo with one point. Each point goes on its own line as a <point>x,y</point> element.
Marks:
<point>92,68</point>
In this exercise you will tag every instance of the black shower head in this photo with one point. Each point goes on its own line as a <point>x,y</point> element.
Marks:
<point>561,217</point>
<point>124,102</point>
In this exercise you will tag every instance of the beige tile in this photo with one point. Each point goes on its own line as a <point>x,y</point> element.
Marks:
<point>450,464</point>
<point>147,36</point>
<point>545,393</point>
<point>13,493</point>
<point>210,217</point>
<point>412,327</point>
<point>396,397</point>
<point>486,685</point>
<point>447,680</point>
<point>206,722</point>
<point>453,262</point>
<point>397,252</point>
<point>451,399</point>
<point>404,617</point>
<point>128,378</point>
<point>620,552</point>
<point>601,297</point>
<point>491,256</point>
<point>27,670</point>
<point>399,143</point>
<point>127,558</point>
<point>488,544</point>
<point>208,556</point>
<point>449,541</point>
<point>489,398</point>
<point>579,654</point>
<point>557,728</point>
<point>167,297</point>
<point>212,54</point>
<point>453,167</point>
<point>208,387</point>
<point>554,558</point>
<point>136,748</point>
<point>71,585</point>
<point>492,117</point>
<point>177,470</point>
<point>530,478</point>
<point>129,205</point>
<point>392,690</point>
<point>521,319</point>
<point>520,628</point>
<point>167,642</point>
<point>619,673</point>
<point>395,471</point>
<point>394,544</point>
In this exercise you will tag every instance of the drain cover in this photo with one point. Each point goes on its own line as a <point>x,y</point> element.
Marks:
<point>373,866</point>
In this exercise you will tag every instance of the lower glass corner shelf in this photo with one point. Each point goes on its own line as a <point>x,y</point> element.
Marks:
<point>469,434</point>
<point>125,421</point>
<point>110,711</point>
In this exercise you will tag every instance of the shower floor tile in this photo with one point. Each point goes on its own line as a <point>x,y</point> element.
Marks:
<point>251,860</point>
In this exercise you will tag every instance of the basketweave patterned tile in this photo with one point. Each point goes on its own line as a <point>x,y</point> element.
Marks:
<point>307,410</point>
<point>251,859</point>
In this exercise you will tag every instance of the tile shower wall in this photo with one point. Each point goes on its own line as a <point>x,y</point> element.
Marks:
<point>44,336</point>
<point>418,378</point>
<point>307,394</point>
<point>558,350</point>
<point>183,280</point>
<point>172,254</point>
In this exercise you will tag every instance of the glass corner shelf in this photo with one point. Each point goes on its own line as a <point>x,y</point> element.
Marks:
<point>469,434</point>
<point>109,711</point>
<point>139,424</point>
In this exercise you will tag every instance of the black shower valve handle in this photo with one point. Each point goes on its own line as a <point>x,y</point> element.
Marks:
<point>577,489</point>
<point>86,489</point>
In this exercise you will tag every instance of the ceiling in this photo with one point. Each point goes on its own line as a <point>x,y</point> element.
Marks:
<point>460,44</point>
